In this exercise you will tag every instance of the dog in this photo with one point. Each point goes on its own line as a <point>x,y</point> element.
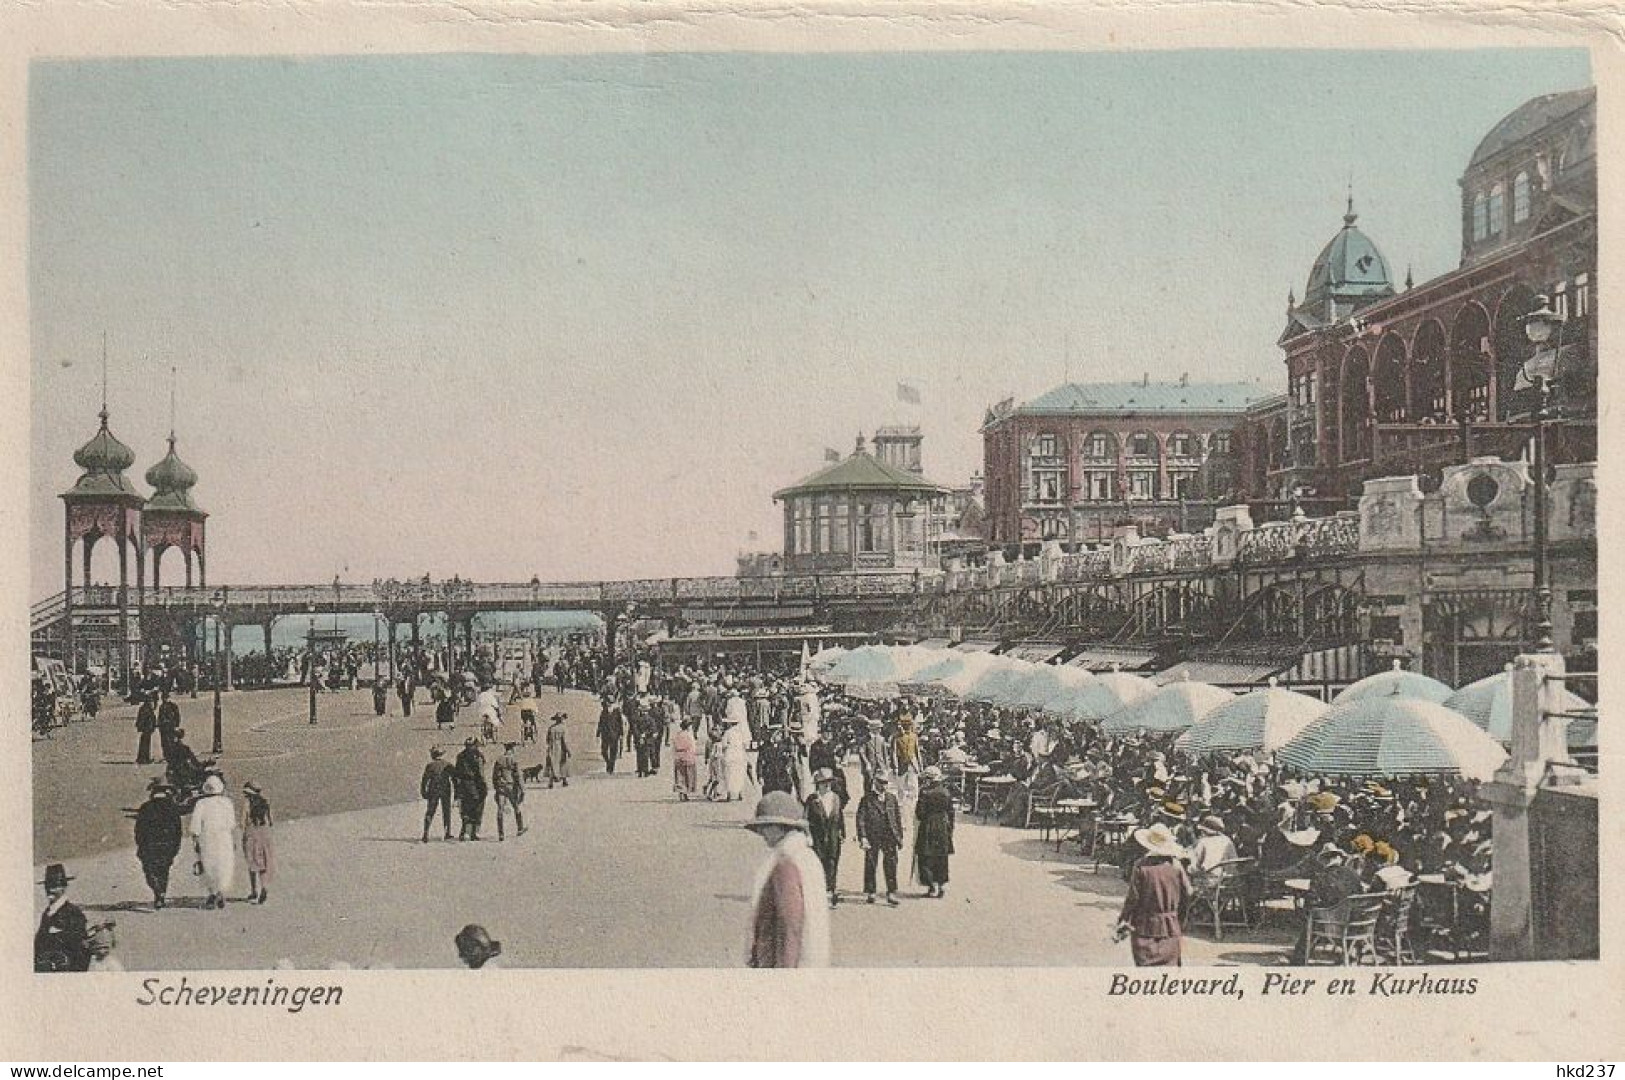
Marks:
<point>535,774</point>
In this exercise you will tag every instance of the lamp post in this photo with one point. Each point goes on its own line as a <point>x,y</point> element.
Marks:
<point>310,660</point>
<point>1540,326</point>
<point>377,645</point>
<point>219,605</point>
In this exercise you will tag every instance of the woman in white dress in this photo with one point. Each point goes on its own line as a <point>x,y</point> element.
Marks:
<point>735,759</point>
<point>214,821</point>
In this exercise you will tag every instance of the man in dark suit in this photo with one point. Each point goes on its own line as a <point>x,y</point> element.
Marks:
<point>436,789</point>
<point>610,732</point>
<point>60,943</point>
<point>826,827</point>
<point>169,722</point>
<point>471,788</point>
<point>404,690</point>
<point>157,839</point>
<point>146,722</point>
<point>880,835</point>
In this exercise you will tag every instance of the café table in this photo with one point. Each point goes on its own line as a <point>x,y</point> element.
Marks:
<point>992,790</point>
<point>970,776</point>
<point>1110,832</point>
<point>1071,816</point>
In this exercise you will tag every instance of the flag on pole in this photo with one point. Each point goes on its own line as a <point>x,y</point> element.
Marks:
<point>908,392</point>
<point>831,454</point>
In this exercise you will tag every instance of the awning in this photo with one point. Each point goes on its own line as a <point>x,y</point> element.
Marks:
<point>1105,658</point>
<point>1221,673</point>
<point>1037,652</point>
<point>977,645</point>
<point>934,643</point>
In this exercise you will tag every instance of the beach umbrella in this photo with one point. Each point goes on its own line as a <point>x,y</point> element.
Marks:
<point>1392,736</point>
<point>1175,707</point>
<point>824,658</point>
<point>969,670</point>
<point>1094,700</point>
<point>1411,684</point>
<point>1066,682</point>
<point>1036,688</point>
<point>1265,719</point>
<point>1488,704</point>
<point>996,686</point>
<point>1127,687</point>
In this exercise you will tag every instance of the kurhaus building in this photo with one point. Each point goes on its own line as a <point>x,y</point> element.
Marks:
<point>1385,380</point>
<point>1078,461</point>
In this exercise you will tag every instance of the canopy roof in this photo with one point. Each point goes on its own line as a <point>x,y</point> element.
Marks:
<point>863,472</point>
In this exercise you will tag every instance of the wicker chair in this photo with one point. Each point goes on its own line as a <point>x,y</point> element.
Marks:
<point>1348,930</point>
<point>1223,893</point>
<point>1394,926</point>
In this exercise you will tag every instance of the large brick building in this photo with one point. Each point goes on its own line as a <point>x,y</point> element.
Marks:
<point>1385,380</point>
<point>1076,462</point>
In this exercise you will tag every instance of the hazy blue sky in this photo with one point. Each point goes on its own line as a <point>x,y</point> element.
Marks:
<point>580,316</point>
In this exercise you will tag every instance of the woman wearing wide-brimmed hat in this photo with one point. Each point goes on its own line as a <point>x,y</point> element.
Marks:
<point>213,822</point>
<point>933,833</point>
<point>1159,893</point>
<point>789,920</point>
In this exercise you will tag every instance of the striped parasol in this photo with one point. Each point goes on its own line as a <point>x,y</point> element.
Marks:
<point>1488,704</point>
<point>1392,736</point>
<point>1265,719</point>
<point>1175,707</point>
<point>1411,684</point>
<point>1127,687</point>
<point>998,685</point>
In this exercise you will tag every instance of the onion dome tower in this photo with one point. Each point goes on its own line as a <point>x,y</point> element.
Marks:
<point>102,504</point>
<point>172,519</point>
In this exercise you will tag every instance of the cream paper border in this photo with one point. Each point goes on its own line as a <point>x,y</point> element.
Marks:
<point>1552,1012</point>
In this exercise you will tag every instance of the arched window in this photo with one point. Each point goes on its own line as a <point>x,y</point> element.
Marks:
<point>1497,209</point>
<point>1520,198</point>
<point>1481,221</point>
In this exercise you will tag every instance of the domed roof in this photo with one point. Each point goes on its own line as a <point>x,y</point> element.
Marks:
<point>1529,118</point>
<point>1349,272</point>
<point>863,472</point>
<point>104,453</point>
<point>172,481</point>
<point>171,474</point>
<point>103,460</point>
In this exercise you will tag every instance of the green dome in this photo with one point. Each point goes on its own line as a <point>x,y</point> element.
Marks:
<point>1349,272</point>
<point>171,474</point>
<point>172,480</point>
<point>104,460</point>
<point>104,453</point>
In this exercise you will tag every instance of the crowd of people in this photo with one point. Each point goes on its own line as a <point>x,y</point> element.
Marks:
<point>720,729</point>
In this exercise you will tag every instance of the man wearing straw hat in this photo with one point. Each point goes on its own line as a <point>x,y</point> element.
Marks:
<point>1159,893</point>
<point>826,826</point>
<point>789,926</point>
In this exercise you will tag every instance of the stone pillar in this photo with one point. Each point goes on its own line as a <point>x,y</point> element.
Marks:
<point>1049,561</point>
<point>1536,742</point>
<point>1230,524</point>
<point>1390,514</point>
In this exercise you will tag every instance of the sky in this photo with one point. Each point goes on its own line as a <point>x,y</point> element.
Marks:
<point>580,316</point>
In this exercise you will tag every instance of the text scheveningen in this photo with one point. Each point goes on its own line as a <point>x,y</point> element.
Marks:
<point>269,994</point>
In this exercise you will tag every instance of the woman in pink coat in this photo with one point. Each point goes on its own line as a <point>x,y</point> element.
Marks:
<point>1159,893</point>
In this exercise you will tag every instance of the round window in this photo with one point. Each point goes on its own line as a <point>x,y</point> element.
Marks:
<point>1482,490</point>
